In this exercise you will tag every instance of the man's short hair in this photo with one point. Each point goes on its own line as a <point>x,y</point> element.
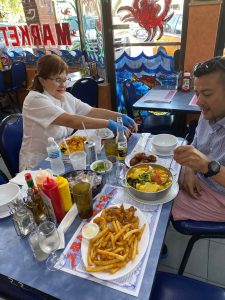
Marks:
<point>217,63</point>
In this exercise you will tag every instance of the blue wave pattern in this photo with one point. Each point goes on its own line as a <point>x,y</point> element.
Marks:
<point>159,65</point>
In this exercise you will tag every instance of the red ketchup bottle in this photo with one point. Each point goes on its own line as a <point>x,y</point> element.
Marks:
<point>186,86</point>
<point>50,188</point>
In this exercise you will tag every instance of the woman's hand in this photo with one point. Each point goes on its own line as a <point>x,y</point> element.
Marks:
<point>112,125</point>
<point>130,123</point>
<point>191,183</point>
<point>189,156</point>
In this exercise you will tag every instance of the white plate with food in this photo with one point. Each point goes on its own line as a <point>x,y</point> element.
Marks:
<point>115,238</point>
<point>172,193</point>
<point>73,143</point>
<point>139,157</point>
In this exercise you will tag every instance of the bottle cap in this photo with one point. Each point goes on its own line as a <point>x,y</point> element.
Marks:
<point>49,183</point>
<point>27,176</point>
<point>50,139</point>
<point>41,175</point>
<point>60,181</point>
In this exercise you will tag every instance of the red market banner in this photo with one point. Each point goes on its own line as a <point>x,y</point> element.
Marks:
<point>36,35</point>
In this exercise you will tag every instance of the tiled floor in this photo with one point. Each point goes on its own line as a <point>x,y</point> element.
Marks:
<point>206,262</point>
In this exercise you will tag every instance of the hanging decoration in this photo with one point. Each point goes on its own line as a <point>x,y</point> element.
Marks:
<point>147,14</point>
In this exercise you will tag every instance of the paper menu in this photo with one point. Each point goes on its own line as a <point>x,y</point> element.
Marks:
<point>158,96</point>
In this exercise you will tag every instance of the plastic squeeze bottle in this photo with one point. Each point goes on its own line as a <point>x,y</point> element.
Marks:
<point>50,188</point>
<point>64,190</point>
<point>41,175</point>
<point>54,153</point>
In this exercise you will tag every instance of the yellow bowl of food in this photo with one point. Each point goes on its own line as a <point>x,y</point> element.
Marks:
<point>149,181</point>
<point>73,143</point>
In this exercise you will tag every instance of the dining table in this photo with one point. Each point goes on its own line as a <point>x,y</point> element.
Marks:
<point>18,266</point>
<point>181,105</point>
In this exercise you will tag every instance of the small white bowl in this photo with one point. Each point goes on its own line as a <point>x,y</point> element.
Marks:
<point>101,166</point>
<point>164,143</point>
<point>8,193</point>
<point>90,230</point>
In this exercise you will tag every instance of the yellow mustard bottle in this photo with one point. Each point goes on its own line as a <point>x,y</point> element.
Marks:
<point>64,190</point>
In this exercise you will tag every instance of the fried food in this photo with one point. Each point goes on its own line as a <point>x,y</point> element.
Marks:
<point>142,157</point>
<point>74,143</point>
<point>117,242</point>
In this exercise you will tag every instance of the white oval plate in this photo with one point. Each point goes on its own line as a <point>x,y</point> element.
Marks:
<point>130,156</point>
<point>167,198</point>
<point>142,247</point>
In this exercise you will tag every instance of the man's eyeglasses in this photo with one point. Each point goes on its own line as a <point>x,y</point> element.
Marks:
<point>61,80</point>
<point>209,66</point>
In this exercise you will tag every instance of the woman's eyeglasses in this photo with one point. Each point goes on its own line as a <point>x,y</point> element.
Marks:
<point>209,67</point>
<point>61,80</point>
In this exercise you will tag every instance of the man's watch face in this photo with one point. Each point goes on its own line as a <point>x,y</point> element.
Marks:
<point>214,166</point>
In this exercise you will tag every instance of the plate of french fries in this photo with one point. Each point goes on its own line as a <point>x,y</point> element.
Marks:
<point>120,244</point>
<point>73,143</point>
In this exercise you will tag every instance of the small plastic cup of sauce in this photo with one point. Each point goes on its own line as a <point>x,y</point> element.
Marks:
<point>90,230</point>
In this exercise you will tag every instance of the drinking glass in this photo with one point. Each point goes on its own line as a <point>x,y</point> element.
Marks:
<point>82,195</point>
<point>49,241</point>
<point>110,147</point>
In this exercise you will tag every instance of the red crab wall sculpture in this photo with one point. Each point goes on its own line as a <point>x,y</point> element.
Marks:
<point>146,14</point>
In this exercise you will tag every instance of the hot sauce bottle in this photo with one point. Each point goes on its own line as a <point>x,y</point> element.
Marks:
<point>50,188</point>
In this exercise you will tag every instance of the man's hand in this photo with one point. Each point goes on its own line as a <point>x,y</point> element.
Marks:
<point>191,183</point>
<point>189,156</point>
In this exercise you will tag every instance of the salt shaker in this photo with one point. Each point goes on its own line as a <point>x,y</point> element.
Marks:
<point>23,220</point>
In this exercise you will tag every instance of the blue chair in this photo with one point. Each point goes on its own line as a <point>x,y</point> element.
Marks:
<point>68,57</point>
<point>17,57</point>
<point>11,135</point>
<point>169,286</point>
<point>198,230</point>
<point>86,89</point>
<point>3,178</point>
<point>30,58</point>
<point>18,77</point>
<point>150,122</point>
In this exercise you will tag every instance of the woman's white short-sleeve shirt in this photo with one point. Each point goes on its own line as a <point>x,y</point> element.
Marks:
<point>39,111</point>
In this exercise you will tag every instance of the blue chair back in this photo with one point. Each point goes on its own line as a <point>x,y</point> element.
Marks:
<point>30,58</point>
<point>130,97</point>
<point>2,85</point>
<point>11,135</point>
<point>3,178</point>
<point>18,71</point>
<point>86,89</point>
<point>169,286</point>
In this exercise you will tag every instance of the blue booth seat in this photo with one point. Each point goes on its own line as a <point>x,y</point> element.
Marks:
<point>169,286</point>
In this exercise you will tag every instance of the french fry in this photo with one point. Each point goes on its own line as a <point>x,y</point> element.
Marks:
<point>116,269</point>
<point>105,262</point>
<point>111,254</point>
<point>129,233</point>
<point>134,249</point>
<point>115,226</point>
<point>121,231</point>
<point>99,235</point>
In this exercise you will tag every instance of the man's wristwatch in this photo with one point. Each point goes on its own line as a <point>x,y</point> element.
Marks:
<point>213,168</point>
